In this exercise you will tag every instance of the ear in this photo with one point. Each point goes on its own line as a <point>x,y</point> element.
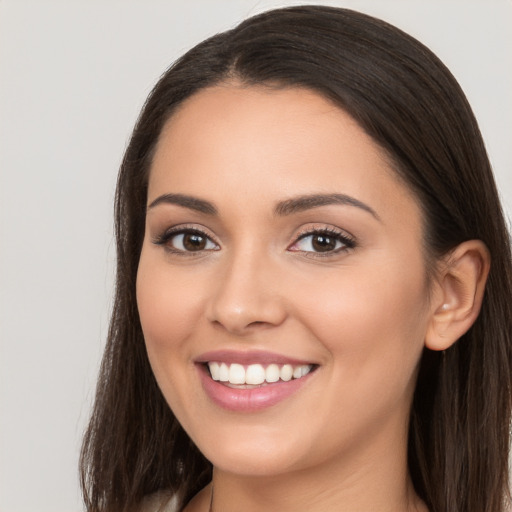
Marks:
<point>459,292</point>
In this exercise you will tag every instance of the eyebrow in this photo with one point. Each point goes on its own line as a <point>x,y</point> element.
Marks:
<point>192,203</point>
<point>282,209</point>
<point>303,203</point>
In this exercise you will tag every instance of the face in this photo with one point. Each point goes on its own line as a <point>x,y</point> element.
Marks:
<point>282,286</point>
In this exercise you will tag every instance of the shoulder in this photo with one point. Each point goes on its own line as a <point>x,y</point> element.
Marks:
<point>159,502</point>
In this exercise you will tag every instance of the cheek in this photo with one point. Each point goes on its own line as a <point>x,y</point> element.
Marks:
<point>373,330</point>
<point>372,320</point>
<point>165,302</point>
<point>169,309</point>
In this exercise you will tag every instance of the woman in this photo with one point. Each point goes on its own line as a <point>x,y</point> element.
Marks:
<point>314,273</point>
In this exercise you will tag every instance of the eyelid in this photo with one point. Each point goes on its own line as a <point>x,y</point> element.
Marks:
<point>164,237</point>
<point>346,238</point>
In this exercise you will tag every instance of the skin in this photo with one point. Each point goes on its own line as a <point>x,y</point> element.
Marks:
<point>360,313</point>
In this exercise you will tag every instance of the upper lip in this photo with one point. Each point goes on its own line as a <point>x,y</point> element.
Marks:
<point>248,357</point>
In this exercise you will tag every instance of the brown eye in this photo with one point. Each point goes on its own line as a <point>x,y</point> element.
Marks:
<point>194,242</point>
<point>186,241</point>
<point>323,243</point>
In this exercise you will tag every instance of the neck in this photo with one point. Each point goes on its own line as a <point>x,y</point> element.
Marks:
<point>277,495</point>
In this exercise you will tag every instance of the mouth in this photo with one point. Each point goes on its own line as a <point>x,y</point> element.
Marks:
<point>239,376</point>
<point>251,382</point>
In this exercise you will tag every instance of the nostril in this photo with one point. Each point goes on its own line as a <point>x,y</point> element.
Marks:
<point>259,322</point>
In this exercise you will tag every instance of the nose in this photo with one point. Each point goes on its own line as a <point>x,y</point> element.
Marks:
<point>246,296</point>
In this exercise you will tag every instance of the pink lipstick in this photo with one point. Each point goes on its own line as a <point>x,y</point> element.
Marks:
<point>251,381</point>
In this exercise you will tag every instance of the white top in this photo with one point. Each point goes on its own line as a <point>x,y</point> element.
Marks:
<point>159,502</point>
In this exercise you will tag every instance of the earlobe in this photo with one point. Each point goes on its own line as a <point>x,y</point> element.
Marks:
<point>459,294</point>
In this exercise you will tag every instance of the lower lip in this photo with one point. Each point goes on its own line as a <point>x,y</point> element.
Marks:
<point>249,400</point>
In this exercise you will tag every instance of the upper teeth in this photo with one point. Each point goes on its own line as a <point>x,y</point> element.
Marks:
<point>256,373</point>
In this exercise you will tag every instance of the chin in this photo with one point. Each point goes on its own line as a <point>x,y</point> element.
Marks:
<point>250,466</point>
<point>252,454</point>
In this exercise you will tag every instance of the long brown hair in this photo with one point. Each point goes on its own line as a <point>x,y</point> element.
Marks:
<point>410,104</point>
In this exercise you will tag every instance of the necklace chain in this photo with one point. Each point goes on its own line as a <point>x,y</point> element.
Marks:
<point>210,509</point>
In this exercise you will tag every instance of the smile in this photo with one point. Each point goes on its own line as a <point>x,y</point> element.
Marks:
<point>256,374</point>
<point>250,382</point>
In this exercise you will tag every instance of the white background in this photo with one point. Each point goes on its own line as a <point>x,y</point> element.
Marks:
<point>73,75</point>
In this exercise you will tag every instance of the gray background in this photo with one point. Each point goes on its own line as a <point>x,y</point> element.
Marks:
<point>73,75</point>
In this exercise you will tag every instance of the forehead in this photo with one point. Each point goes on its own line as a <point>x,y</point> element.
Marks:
<point>251,141</point>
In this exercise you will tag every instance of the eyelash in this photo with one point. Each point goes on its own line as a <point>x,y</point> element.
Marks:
<point>166,237</point>
<point>346,240</point>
